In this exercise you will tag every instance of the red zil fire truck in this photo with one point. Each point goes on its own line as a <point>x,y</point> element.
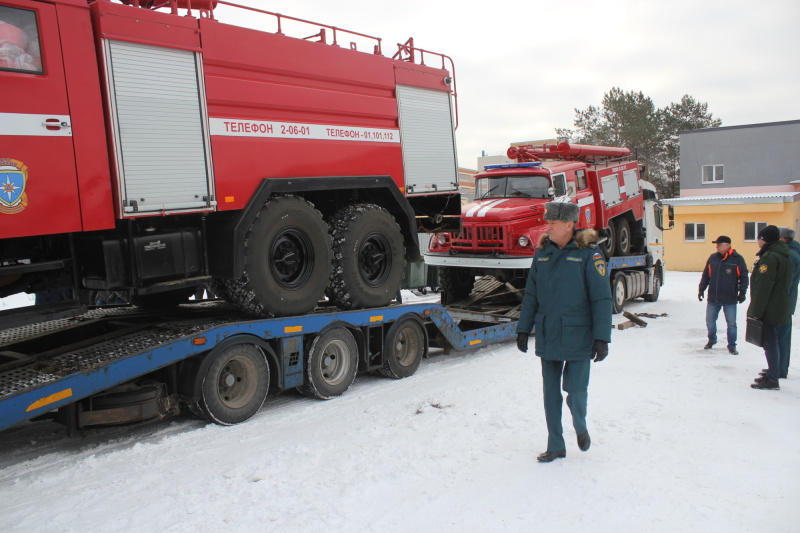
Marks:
<point>147,146</point>
<point>502,226</point>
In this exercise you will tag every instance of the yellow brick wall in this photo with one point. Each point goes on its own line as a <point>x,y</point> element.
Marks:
<point>691,256</point>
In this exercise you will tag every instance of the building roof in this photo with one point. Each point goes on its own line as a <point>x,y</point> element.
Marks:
<point>722,128</point>
<point>747,198</point>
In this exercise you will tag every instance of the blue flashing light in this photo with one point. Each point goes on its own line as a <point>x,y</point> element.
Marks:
<point>514,165</point>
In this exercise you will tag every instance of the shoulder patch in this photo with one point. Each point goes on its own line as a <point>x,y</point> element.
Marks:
<point>762,268</point>
<point>597,256</point>
<point>600,265</point>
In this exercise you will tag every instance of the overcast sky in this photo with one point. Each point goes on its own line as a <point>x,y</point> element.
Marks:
<point>523,67</point>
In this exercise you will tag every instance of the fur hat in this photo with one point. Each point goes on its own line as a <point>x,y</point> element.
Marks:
<point>566,211</point>
<point>769,234</point>
<point>786,233</point>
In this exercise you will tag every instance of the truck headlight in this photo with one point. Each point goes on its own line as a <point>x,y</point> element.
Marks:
<point>523,241</point>
<point>441,238</point>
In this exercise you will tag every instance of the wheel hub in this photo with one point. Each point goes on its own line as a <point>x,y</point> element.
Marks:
<point>375,259</point>
<point>291,258</point>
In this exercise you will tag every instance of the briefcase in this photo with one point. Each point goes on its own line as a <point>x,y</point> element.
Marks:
<point>754,334</point>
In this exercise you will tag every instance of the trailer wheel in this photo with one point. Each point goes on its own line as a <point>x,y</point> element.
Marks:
<point>331,363</point>
<point>403,347</point>
<point>234,384</point>
<point>618,293</point>
<point>656,290</point>
<point>368,253</point>
<point>623,244</point>
<point>456,283</point>
<point>608,245</point>
<point>287,260</point>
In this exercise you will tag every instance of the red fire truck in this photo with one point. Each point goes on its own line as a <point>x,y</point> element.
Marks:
<point>149,147</point>
<point>502,226</point>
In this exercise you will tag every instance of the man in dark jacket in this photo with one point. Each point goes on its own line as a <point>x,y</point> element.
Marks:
<point>725,276</point>
<point>785,329</point>
<point>769,299</point>
<point>568,299</point>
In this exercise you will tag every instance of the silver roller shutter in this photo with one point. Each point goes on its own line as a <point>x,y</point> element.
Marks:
<point>426,131</point>
<point>162,150</point>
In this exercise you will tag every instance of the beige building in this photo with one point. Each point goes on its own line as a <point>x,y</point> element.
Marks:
<point>734,181</point>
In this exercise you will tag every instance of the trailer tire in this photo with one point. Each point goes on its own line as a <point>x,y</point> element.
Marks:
<point>456,283</point>
<point>656,290</point>
<point>404,346</point>
<point>331,363</point>
<point>623,240</point>
<point>368,255</point>
<point>618,293</point>
<point>233,384</point>
<point>287,260</point>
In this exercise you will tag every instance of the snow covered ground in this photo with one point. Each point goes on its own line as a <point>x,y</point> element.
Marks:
<point>680,442</point>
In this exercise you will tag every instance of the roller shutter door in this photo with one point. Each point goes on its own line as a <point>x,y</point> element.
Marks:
<point>426,131</point>
<point>162,150</point>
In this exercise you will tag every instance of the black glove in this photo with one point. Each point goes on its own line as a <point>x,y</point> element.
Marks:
<point>700,296</point>
<point>522,342</point>
<point>742,297</point>
<point>599,350</point>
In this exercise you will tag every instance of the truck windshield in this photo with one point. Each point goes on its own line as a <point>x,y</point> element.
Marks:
<point>512,187</point>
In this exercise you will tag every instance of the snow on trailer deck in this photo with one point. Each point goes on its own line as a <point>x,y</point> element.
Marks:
<point>680,443</point>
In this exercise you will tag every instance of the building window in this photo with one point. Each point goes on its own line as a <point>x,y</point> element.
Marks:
<point>751,230</point>
<point>694,232</point>
<point>713,174</point>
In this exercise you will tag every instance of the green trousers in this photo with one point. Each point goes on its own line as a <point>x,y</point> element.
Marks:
<point>575,383</point>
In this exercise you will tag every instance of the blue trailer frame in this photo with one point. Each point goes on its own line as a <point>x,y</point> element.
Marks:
<point>33,390</point>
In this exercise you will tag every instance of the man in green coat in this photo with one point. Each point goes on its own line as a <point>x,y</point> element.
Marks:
<point>769,299</point>
<point>785,329</point>
<point>568,300</point>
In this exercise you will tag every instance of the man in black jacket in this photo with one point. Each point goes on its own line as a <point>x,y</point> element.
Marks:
<point>725,276</point>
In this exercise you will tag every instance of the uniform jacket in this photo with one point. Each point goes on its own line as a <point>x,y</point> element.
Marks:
<point>794,257</point>
<point>724,276</point>
<point>567,298</point>
<point>769,284</point>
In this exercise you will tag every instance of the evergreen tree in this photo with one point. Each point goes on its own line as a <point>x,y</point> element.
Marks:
<point>630,119</point>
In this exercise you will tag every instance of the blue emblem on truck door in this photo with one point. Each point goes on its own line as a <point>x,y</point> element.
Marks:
<point>13,178</point>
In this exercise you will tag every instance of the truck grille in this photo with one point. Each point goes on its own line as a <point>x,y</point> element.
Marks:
<point>480,237</point>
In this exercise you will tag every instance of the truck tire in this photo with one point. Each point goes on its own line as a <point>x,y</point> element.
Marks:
<point>618,293</point>
<point>403,348</point>
<point>608,245</point>
<point>368,256</point>
<point>656,290</point>
<point>287,260</point>
<point>456,283</point>
<point>623,240</point>
<point>234,384</point>
<point>331,363</point>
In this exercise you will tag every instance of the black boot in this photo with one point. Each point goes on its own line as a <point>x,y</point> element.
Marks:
<point>548,457</point>
<point>766,384</point>
<point>584,441</point>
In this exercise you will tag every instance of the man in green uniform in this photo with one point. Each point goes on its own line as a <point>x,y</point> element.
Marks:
<point>769,299</point>
<point>568,300</point>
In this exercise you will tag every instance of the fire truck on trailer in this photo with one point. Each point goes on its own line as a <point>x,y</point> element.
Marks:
<point>502,226</point>
<point>148,147</point>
